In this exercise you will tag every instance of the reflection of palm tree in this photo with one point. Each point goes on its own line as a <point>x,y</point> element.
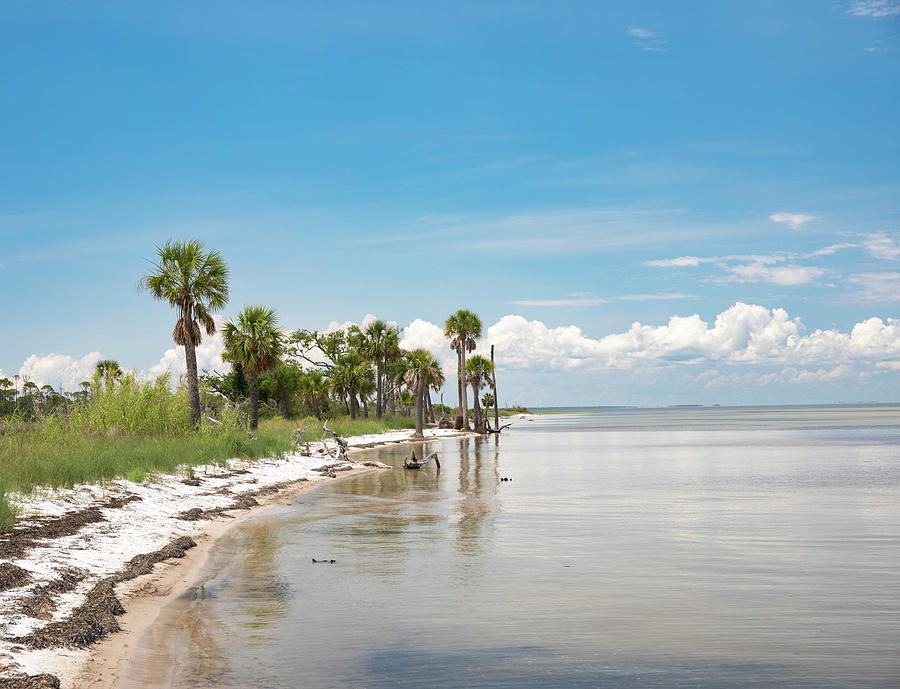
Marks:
<point>478,481</point>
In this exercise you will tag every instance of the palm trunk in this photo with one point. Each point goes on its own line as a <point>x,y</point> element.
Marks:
<point>494,386</point>
<point>254,401</point>
<point>430,406</point>
<point>479,426</point>
<point>379,391</point>
<point>463,401</point>
<point>420,399</point>
<point>190,360</point>
<point>365,404</point>
<point>354,406</point>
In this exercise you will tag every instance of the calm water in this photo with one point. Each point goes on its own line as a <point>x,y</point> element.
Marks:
<point>704,548</point>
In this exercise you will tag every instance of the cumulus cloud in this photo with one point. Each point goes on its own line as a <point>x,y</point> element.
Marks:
<point>743,333</point>
<point>782,275</point>
<point>421,334</point>
<point>875,9</point>
<point>880,245</point>
<point>793,220</point>
<point>60,371</point>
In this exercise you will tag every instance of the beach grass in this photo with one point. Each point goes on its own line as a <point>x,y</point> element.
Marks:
<point>132,429</point>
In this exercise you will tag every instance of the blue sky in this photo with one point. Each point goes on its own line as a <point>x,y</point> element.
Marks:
<point>544,160</point>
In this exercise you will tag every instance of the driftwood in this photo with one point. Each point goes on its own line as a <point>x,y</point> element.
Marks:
<point>341,443</point>
<point>412,462</point>
<point>491,430</point>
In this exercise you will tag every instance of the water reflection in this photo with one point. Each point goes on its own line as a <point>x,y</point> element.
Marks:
<point>478,481</point>
<point>717,558</point>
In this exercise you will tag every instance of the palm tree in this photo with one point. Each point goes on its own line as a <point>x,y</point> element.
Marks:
<point>255,343</point>
<point>379,342</point>
<point>352,375</point>
<point>462,329</point>
<point>313,387</point>
<point>435,382</point>
<point>195,282</point>
<point>420,373</point>
<point>109,370</point>
<point>478,372</point>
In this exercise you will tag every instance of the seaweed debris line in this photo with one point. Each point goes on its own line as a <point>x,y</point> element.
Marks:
<point>60,567</point>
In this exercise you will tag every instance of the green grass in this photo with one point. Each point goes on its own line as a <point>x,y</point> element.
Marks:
<point>133,430</point>
<point>342,425</point>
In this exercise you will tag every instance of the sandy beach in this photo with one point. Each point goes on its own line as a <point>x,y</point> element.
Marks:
<point>107,528</point>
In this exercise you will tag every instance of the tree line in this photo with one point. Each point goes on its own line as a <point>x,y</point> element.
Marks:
<point>357,371</point>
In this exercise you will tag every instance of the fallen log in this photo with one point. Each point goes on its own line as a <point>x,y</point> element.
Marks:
<point>491,430</point>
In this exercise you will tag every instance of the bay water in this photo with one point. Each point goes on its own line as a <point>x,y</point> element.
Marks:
<point>708,547</point>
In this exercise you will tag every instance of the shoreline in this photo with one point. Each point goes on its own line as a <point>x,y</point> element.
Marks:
<point>139,518</point>
<point>145,598</point>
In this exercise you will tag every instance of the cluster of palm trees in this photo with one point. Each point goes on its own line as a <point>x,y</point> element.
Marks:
<point>352,364</point>
<point>352,367</point>
<point>360,362</point>
<point>463,329</point>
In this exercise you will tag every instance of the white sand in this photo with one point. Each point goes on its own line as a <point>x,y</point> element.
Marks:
<point>142,526</point>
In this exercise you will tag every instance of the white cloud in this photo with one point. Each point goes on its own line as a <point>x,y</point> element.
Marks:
<point>641,33</point>
<point>421,334</point>
<point>876,286</point>
<point>782,275</point>
<point>680,262</point>
<point>876,9</point>
<point>828,250</point>
<point>647,40</point>
<point>793,220</point>
<point>743,333</point>
<point>209,357</point>
<point>60,371</point>
<point>879,245</point>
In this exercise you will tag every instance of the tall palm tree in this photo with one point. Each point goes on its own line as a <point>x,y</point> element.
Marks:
<point>462,329</point>
<point>478,372</point>
<point>420,372</point>
<point>195,282</point>
<point>254,342</point>
<point>379,342</point>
